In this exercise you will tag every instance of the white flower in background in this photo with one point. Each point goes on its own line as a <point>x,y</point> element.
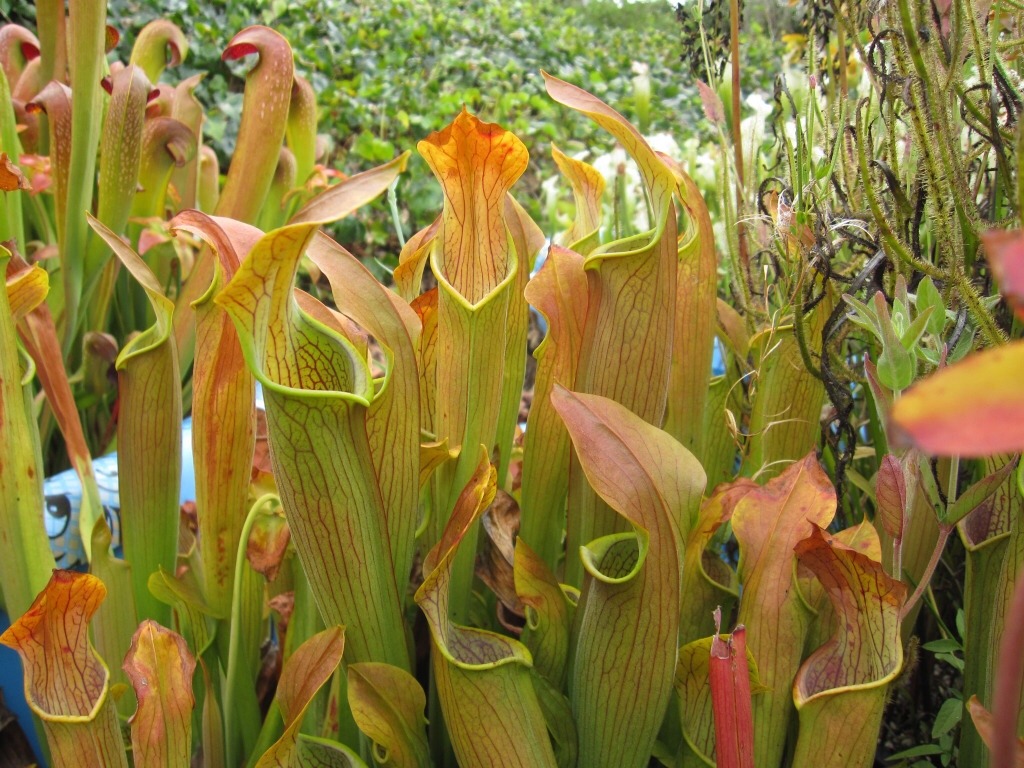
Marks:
<point>705,170</point>
<point>759,104</point>
<point>798,81</point>
<point>817,153</point>
<point>721,234</point>
<point>666,144</point>
<point>701,162</point>
<point>857,74</point>
<point>690,147</point>
<point>610,163</point>
<point>550,186</point>
<point>551,190</point>
<point>752,127</point>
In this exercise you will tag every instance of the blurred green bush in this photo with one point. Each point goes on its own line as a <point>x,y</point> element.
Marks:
<point>388,74</point>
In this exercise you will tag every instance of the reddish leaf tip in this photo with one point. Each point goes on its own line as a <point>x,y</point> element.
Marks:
<point>176,57</point>
<point>238,51</point>
<point>111,38</point>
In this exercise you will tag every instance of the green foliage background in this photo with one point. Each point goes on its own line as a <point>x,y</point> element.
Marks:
<point>388,74</point>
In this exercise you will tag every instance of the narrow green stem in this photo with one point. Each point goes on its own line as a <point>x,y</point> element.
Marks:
<point>235,642</point>
<point>954,472</point>
<point>737,136</point>
<point>986,322</point>
<point>396,216</point>
<point>844,87</point>
<point>983,62</point>
<point>801,341</point>
<point>929,571</point>
<point>893,244</point>
<point>88,20</point>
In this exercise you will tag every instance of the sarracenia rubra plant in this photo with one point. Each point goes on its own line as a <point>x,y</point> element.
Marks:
<point>378,566</point>
<point>66,682</point>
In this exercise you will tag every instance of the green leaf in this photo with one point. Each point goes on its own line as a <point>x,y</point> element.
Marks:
<point>307,670</point>
<point>633,287</point>
<point>559,293</point>
<point>978,493</point>
<point>864,315</point>
<point>912,335</point>
<point>87,61</point>
<point>476,262</point>
<point>548,614</point>
<point>954,661</point>
<point>152,45</point>
<point>25,571</point>
<point>769,522</point>
<point>161,667</point>
<point>318,388</point>
<point>393,418</point>
<point>148,438</point>
<point>929,298</point>
<point>373,150</point>
<point>841,689</point>
<point>896,368</point>
<point>922,750</point>
<point>945,645</point>
<point>478,671</point>
<point>632,594</point>
<point>901,300</point>
<point>963,345</point>
<point>387,704</point>
<point>66,682</point>
<point>560,723</point>
<point>194,617</point>
<point>948,717</point>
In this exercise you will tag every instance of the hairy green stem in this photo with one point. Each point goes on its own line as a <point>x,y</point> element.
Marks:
<point>737,136</point>
<point>893,243</point>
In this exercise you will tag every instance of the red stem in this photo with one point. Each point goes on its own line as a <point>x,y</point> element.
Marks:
<point>730,701</point>
<point>1009,674</point>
